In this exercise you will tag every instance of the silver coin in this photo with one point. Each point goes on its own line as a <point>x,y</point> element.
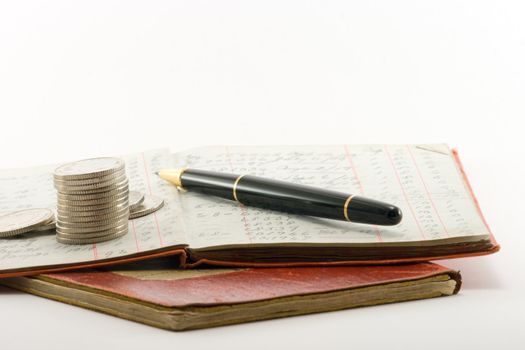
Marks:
<point>70,228</point>
<point>99,203</point>
<point>100,233</point>
<point>68,188</point>
<point>94,180</point>
<point>107,231</point>
<point>80,209</point>
<point>50,225</point>
<point>77,202</point>
<point>89,191</point>
<point>65,217</point>
<point>88,217</point>
<point>65,240</point>
<point>22,221</point>
<point>104,222</point>
<point>119,187</point>
<point>151,204</point>
<point>90,227</point>
<point>67,212</point>
<point>75,223</point>
<point>81,221</point>
<point>88,168</point>
<point>135,199</point>
<point>78,190</point>
<point>84,236</point>
<point>99,196</point>
<point>103,190</point>
<point>92,220</point>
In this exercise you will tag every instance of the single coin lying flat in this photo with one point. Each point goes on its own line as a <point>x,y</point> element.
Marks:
<point>135,200</point>
<point>50,225</point>
<point>23,221</point>
<point>150,205</point>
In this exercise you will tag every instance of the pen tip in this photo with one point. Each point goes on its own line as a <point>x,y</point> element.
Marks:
<point>171,175</point>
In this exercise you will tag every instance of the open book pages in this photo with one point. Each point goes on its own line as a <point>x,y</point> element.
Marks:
<point>440,216</point>
<point>423,180</point>
<point>33,188</point>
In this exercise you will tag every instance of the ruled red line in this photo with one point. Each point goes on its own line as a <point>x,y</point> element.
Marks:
<point>95,251</point>
<point>146,172</point>
<point>426,190</point>
<point>361,189</point>
<point>354,170</point>
<point>404,192</point>
<point>135,235</point>
<point>149,187</point>
<point>243,209</point>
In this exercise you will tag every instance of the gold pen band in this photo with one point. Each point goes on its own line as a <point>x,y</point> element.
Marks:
<point>345,208</point>
<point>235,187</point>
<point>179,182</point>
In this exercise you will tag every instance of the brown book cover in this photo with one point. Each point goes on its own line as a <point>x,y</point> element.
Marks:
<point>156,293</point>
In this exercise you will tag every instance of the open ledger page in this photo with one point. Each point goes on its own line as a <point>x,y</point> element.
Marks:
<point>423,180</point>
<point>33,188</point>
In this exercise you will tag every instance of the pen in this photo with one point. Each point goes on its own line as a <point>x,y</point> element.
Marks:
<point>285,196</point>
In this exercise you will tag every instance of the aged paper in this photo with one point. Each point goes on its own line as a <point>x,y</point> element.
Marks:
<point>33,188</point>
<point>423,181</point>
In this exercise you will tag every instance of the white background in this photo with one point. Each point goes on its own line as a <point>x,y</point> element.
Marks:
<point>91,78</point>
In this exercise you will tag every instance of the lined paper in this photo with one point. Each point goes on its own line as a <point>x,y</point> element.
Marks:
<point>33,188</point>
<point>423,181</point>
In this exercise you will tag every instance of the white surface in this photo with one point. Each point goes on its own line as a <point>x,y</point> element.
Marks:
<point>80,79</point>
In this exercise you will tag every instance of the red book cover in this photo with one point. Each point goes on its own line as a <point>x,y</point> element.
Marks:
<point>158,294</point>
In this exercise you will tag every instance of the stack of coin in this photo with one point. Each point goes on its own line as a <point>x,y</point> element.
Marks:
<point>92,201</point>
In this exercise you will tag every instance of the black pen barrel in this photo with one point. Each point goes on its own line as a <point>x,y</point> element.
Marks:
<point>291,198</point>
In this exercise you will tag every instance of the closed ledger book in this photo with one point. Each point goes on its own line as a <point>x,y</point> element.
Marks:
<point>154,292</point>
<point>441,216</point>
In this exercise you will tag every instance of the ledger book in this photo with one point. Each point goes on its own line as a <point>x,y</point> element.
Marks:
<point>441,216</point>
